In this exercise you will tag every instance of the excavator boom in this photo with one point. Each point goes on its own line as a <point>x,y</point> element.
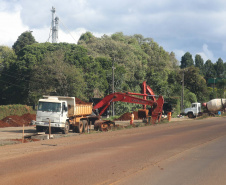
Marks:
<point>156,105</point>
<point>123,97</point>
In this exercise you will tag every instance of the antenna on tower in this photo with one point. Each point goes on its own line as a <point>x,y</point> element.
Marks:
<point>55,22</point>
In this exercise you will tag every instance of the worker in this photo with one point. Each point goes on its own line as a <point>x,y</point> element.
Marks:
<point>132,118</point>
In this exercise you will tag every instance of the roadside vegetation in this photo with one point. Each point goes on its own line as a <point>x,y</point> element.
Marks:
<point>8,110</point>
<point>30,69</point>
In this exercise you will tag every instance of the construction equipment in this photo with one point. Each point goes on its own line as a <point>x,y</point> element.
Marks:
<point>156,105</point>
<point>215,105</point>
<point>63,113</point>
<point>212,108</point>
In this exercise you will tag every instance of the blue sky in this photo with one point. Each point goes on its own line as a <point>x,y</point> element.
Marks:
<point>195,26</point>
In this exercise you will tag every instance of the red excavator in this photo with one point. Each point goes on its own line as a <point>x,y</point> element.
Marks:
<point>156,105</point>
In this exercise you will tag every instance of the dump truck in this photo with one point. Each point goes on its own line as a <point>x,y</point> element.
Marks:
<point>63,113</point>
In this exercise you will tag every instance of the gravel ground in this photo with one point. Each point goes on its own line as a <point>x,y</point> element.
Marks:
<point>13,135</point>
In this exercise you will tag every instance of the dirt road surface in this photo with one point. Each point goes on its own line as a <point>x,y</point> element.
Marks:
<point>191,152</point>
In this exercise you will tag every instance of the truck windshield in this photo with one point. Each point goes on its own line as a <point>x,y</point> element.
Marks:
<point>49,106</point>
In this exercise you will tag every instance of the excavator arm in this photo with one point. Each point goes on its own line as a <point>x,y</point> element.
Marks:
<point>123,97</point>
<point>127,97</point>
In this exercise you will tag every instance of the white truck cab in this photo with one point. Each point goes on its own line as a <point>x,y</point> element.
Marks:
<point>193,111</point>
<point>53,110</point>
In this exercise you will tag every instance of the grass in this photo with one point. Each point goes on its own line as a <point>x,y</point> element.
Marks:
<point>17,109</point>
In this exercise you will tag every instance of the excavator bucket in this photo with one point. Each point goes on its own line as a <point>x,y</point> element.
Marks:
<point>103,125</point>
<point>143,113</point>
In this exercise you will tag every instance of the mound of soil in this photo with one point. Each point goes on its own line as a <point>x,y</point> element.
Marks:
<point>28,117</point>
<point>127,116</point>
<point>17,121</point>
<point>4,124</point>
<point>78,101</point>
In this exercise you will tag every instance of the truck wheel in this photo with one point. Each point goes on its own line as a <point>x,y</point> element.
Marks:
<point>79,128</point>
<point>85,125</point>
<point>190,115</point>
<point>39,129</point>
<point>66,128</point>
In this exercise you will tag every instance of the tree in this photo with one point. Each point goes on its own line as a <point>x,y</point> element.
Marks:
<point>8,81</point>
<point>221,88</point>
<point>209,71</point>
<point>189,98</point>
<point>195,83</point>
<point>53,75</point>
<point>7,56</point>
<point>26,38</point>
<point>219,68</point>
<point>199,63</point>
<point>186,60</point>
<point>86,37</point>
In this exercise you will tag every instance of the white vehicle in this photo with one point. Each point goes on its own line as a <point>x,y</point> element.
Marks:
<point>212,107</point>
<point>193,111</point>
<point>62,113</point>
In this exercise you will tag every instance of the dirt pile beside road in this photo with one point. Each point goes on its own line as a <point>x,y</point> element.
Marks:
<point>127,116</point>
<point>17,121</point>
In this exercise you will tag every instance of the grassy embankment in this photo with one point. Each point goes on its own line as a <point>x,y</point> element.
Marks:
<point>8,110</point>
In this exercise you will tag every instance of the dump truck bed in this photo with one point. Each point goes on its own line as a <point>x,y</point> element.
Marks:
<point>76,107</point>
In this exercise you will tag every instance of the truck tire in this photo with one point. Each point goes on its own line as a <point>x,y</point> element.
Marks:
<point>190,115</point>
<point>66,128</point>
<point>79,128</point>
<point>85,126</point>
<point>39,129</point>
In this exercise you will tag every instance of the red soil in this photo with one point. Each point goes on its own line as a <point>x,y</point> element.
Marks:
<point>17,121</point>
<point>127,116</point>
<point>78,101</point>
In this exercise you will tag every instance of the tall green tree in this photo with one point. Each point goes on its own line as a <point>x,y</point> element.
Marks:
<point>219,68</point>
<point>195,83</point>
<point>26,38</point>
<point>209,71</point>
<point>186,60</point>
<point>199,63</point>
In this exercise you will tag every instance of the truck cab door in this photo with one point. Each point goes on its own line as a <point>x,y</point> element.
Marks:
<point>64,110</point>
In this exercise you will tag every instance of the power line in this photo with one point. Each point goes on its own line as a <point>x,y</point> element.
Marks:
<point>68,30</point>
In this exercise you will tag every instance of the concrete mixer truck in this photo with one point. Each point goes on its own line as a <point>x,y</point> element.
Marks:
<point>212,107</point>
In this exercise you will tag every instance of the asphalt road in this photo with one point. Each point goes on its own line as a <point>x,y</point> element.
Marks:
<point>181,153</point>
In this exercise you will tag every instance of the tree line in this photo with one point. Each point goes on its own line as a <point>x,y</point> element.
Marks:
<point>30,69</point>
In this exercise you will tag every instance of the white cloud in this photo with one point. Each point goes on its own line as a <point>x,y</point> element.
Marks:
<point>179,26</point>
<point>179,54</point>
<point>11,27</point>
<point>206,54</point>
<point>71,37</point>
<point>44,35</point>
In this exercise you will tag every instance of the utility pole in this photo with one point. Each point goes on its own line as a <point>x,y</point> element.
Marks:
<point>55,21</point>
<point>182,93</point>
<point>113,85</point>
